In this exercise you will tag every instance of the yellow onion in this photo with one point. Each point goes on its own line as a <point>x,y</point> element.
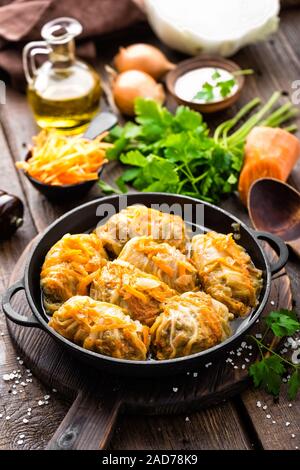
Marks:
<point>143,57</point>
<point>132,84</point>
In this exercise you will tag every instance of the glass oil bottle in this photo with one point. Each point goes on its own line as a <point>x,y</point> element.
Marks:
<point>64,92</point>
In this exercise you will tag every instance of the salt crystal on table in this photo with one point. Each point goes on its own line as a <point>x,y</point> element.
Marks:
<point>290,405</point>
<point>274,422</point>
<point>54,390</point>
<point>6,377</point>
<point>7,417</point>
<point>243,344</point>
<point>1,415</point>
<point>268,416</point>
<point>287,423</point>
<point>21,362</point>
<point>40,402</point>
<point>258,404</point>
<point>265,407</point>
<point>293,436</point>
<point>28,409</point>
<point>258,335</point>
<point>14,392</point>
<point>187,418</point>
<point>243,366</point>
<point>46,397</point>
<point>195,374</point>
<point>20,442</point>
<point>22,436</point>
<point>25,420</point>
<point>175,389</point>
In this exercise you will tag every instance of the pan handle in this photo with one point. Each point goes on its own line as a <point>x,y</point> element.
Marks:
<point>279,246</point>
<point>89,423</point>
<point>10,312</point>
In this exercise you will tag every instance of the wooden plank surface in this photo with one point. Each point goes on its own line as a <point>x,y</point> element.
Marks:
<point>236,424</point>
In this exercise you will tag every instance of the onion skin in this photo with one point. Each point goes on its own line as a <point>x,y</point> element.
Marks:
<point>132,84</point>
<point>142,57</point>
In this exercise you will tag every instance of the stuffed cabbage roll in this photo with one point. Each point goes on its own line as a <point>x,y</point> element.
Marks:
<point>101,327</point>
<point>189,323</point>
<point>162,260</point>
<point>226,271</point>
<point>125,285</point>
<point>140,220</point>
<point>69,268</point>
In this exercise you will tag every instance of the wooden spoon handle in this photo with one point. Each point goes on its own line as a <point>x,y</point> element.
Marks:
<point>88,424</point>
<point>295,245</point>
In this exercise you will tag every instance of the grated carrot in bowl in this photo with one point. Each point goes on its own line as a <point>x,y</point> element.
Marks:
<point>61,160</point>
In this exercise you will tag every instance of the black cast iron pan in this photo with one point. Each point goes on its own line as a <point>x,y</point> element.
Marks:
<point>85,218</point>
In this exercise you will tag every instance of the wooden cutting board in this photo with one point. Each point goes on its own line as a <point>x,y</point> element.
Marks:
<point>99,398</point>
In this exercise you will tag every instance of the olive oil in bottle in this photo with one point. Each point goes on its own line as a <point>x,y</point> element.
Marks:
<point>64,92</point>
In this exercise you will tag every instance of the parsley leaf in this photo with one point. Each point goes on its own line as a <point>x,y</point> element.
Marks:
<point>294,384</point>
<point>283,322</point>
<point>267,373</point>
<point>134,157</point>
<point>206,93</point>
<point>186,119</point>
<point>107,188</point>
<point>226,86</point>
<point>216,75</point>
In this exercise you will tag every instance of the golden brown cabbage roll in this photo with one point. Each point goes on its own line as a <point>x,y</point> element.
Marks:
<point>189,323</point>
<point>69,268</point>
<point>226,271</point>
<point>161,260</point>
<point>139,220</point>
<point>125,285</point>
<point>101,327</point>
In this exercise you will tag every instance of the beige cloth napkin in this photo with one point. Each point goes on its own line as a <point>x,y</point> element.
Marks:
<point>21,21</point>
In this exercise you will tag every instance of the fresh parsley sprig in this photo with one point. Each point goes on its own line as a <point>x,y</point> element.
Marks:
<point>207,92</point>
<point>268,372</point>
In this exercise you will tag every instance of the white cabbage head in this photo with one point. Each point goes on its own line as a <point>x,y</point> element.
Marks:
<point>212,26</point>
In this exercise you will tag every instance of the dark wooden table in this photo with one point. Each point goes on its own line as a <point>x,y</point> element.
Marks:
<point>29,418</point>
